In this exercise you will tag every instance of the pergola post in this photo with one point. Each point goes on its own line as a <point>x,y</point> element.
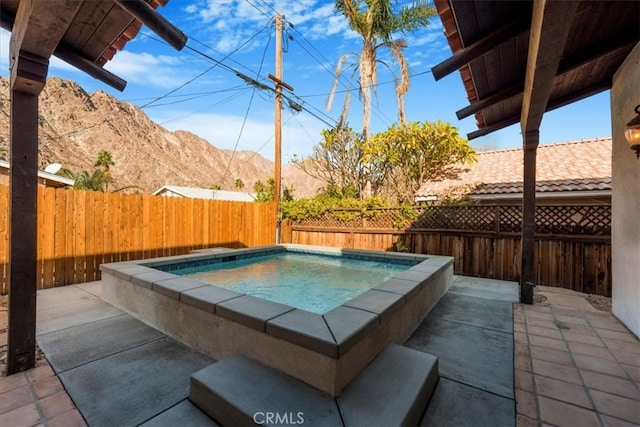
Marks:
<point>527,270</point>
<point>28,77</point>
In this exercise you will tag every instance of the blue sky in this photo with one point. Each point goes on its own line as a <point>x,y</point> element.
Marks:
<point>240,34</point>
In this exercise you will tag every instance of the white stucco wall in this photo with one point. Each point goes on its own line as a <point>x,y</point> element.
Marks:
<point>625,201</point>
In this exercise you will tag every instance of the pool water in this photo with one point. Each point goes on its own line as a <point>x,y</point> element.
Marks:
<point>310,282</point>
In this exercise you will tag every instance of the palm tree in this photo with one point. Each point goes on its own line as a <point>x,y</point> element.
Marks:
<point>378,24</point>
<point>239,184</point>
<point>104,161</point>
<point>97,181</point>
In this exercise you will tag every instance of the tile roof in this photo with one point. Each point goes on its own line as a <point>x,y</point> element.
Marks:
<point>205,193</point>
<point>583,165</point>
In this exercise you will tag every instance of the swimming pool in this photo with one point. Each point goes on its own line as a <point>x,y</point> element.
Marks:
<point>324,350</point>
<point>312,282</point>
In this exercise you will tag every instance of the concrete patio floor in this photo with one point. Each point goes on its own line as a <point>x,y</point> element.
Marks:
<point>572,366</point>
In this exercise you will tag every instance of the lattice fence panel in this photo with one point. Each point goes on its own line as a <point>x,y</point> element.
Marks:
<point>565,219</point>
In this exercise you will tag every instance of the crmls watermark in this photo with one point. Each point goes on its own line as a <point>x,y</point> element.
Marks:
<point>290,418</point>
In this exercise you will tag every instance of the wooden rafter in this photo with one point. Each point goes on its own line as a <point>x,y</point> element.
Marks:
<point>547,41</point>
<point>552,105</point>
<point>489,42</point>
<point>566,65</point>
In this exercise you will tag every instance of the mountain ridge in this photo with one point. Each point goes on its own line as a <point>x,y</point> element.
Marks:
<point>75,125</point>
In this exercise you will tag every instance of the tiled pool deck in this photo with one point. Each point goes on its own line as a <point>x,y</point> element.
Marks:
<point>574,366</point>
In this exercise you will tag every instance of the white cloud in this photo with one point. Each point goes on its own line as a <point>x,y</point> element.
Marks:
<point>154,70</point>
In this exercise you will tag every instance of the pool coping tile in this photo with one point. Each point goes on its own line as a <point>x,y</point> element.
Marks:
<point>147,280</point>
<point>173,287</point>
<point>207,297</point>
<point>376,302</point>
<point>251,311</point>
<point>348,325</point>
<point>308,330</point>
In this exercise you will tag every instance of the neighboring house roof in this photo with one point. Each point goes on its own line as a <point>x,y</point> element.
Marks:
<point>205,193</point>
<point>569,167</point>
<point>55,180</point>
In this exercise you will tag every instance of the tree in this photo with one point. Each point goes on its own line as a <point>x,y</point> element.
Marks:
<point>105,161</point>
<point>215,187</point>
<point>417,152</point>
<point>239,184</point>
<point>96,181</point>
<point>266,193</point>
<point>377,24</point>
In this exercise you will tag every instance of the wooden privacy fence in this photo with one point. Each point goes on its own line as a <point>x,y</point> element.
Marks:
<point>79,230</point>
<point>573,243</point>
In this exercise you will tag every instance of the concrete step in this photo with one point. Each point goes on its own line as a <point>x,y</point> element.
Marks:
<point>240,391</point>
<point>393,390</point>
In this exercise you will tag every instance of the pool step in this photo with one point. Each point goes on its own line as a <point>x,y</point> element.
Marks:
<point>392,390</point>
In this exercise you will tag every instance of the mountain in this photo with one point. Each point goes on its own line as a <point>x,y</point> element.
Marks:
<point>75,125</point>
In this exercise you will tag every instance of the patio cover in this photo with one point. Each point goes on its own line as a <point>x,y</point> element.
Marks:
<point>86,34</point>
<point>519,59</point>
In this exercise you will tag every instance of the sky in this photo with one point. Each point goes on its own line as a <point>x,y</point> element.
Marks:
<point>197,89</point>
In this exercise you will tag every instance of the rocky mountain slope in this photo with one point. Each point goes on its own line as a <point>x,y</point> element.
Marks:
<point>75,125</point>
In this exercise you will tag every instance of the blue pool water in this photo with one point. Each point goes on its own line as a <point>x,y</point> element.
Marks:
<point>310,282</point>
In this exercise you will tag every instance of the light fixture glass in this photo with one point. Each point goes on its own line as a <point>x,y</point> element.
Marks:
<point>632,133</point>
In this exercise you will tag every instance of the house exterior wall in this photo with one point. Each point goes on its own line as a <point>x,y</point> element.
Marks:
<point>625,204</point>
<point>4,180</point>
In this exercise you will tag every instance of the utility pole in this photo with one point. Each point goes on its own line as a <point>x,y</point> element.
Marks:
<point>278,121</point>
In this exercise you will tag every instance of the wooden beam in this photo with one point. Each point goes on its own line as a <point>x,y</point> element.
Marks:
<point>145,13</point>
<point>71,57</point>
<point>596,88</point>
<point>37,30</point>
<point>527,242</point>
<point>512,29</point>
<point>629,38</point>
<point>550,27</point>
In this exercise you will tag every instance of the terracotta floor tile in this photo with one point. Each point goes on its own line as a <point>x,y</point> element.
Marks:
<point>607,323</point>
<point>523,380</point>
<point>522,421</point>
<point>550,355</point>
<point>566,415</point>
<point>39,373</point>
<point>581,338</point>
<point>24,416</point>
<point>616,422</point>
<point>519,327</point>
<point>545,323</point>
<point>3,338</point>
<point>617,406</point>
<point>520,337</point>
<point>526,403</point>
<point>572,320</point>
<point>15,398</point>
<point>561,390</point>
<point>627,358</point>
<point>610,384</point>
<point>583,330</point>
<point>591,350</point>
<point>554,370</point>
<point>618,335</point>
<point>536,308</point>
<point>523,362</point>
<point>548,342</point>
<point>632,371</point>
<point>604,366</point>
<point>68,419</point>
<point>536,315</point>
<point>56,404</point>
<point>12,382</point>
<point>521,348</point>
<point>544,332</point>
<point>567,311</point>
<point>616,344</point>
<point>47,386</point>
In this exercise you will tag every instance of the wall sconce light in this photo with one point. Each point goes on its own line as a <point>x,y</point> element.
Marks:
<point>632,133</point>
